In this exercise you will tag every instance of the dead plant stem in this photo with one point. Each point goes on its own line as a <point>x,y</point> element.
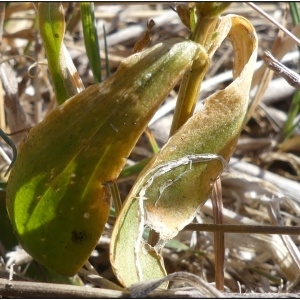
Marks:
<point>218,236</point>
<point>240,228</point>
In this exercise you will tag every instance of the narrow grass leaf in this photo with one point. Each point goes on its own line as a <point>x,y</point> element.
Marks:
<point>107,67</point>
<point>91,38</point>
<point>294,108</point>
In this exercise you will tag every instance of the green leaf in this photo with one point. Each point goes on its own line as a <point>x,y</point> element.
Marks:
<point>58,195</point>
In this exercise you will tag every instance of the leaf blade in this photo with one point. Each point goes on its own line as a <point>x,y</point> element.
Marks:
<point>91,38</point>
<point>58,190</point>
<point>213,130</point>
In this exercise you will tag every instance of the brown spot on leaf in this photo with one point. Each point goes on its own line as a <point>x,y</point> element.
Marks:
<point>78,237</point>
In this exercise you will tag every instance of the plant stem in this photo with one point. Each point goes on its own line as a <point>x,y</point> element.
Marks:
<point>191,82</point>
<point>218,236</point>
<point>188,92</point>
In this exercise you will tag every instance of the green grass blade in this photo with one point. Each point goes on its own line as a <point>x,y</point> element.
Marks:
<point>107,67</point>
<point>294,12</point>
<point>91,38</point>
<point>294,108</point>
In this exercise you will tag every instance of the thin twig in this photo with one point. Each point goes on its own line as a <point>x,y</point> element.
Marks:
<point>290,76</point>
<point>239,228</point>
<point>25,289</point>
<point>278,25</point>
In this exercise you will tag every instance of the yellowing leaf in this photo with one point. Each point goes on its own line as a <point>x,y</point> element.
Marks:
<point>179,178</point>
<point>58,195</point>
